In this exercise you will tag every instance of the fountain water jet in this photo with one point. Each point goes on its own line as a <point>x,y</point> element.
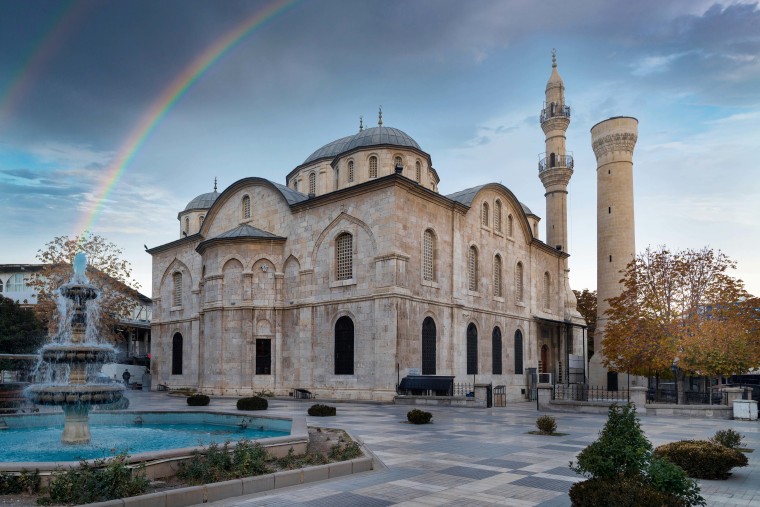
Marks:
<point>73,350</point>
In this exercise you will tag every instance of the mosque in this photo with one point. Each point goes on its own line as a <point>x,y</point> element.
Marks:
<point>357,272</point>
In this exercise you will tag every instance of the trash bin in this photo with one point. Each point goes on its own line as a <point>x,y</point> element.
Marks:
<point>745,410</point>
<point>146,381</point>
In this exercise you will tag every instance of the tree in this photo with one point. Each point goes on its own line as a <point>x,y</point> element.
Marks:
<point>106,270</point>
<point>587,308</point>
<point>682,309</point>
<point>21,332</point>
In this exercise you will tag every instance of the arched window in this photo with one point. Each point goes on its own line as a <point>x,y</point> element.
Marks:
<point>428,346</point>
<point>16,283</point>
<point>497,216</point>
<point>187,226</point>
<point>497,285</point>
<point>518,352</point>
<point>295,185</point>
<point>373,167</point>
<point>177,289</point>
<point>428,256</point>
<point>246,207</point>
<point>472,349</point>
<point>519,282</point>
<point>312,183</point>
<point>350,171</point>
<point>546,289</point>
<point>417,171</point>
<point>552,160</point>
<point>344,346</point>
<point>510,226</point>
<point>177,354</point>
<point>397,162</point>
<point>337,178</point>
<point>472,265</point>
<point>496,351</point>
<point>551,109</point>
<point>344,260</point>
<point>484,217</point>
<point>200,220</point>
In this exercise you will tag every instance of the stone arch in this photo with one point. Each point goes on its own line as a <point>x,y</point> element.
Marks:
<point>330,230</point>
<point>176,265</point>
<point>291,282</point>
<point>263,287</point>
<point>232,281</point>
<point>264,328</point>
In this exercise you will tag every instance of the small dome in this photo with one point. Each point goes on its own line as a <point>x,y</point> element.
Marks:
<point>381,135</point>
<point>330,149</point>
<point>203,201</point>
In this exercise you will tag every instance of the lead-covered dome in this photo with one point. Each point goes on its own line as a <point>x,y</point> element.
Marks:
<point>330,149</point>
<point>203,201</point>
<point>375,136</point>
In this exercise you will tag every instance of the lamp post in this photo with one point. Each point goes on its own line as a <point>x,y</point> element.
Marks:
<point>674,369</point>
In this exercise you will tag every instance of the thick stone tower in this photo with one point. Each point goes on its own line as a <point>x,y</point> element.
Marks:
<point>555,167</point>
<point>613,141</point>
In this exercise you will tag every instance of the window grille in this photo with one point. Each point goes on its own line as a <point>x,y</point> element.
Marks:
<point>177,292</point>
<point>373,167</point>
<point>485,214</point>
<point>519,282</point>
<point>472,349</point>
<point>428,346</point>
<point>496,351</point>
<point>351,171</point>
<point>547,286</point>
<point>397,162</point>
<point>497,215</point>
<point>418,171</point>
<point>473,269</point>
<point>497,286</point>
<point>312,183</point>
<point>344,257</point>
<point>246,207</point>
<point>428,255</point>
<point>187,226</point>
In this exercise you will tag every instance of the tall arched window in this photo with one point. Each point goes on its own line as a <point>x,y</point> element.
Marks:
<point>497,216</point>
<point>177,354</point>
<point>428,256</point>
<point>472,349</point>
<point>187,226</point>
<point>200,220</point>
<point>519,282</point>
<point>510,226</point>
<point>246,207</point>
<point>295,185</point>
<point>484,215</point>
<point>344,346</point>
<point>546,289</point>
<point>518,352</point>
<point>397,162</point>
<point>496,351</point>
<point>350,171</point>
<point>428,346</point>
<point>177,289</point>
<point>552,160</point>
<point>472,265</point>
<point>373,167</point>
<point>344,260</point>
<point>312,183</point>
<point>417,171</point>
<point>497,284</point>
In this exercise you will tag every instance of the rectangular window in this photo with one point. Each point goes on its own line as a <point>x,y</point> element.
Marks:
<point>263,356</point>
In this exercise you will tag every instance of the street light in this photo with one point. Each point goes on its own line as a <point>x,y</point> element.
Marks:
<point>674,369</point>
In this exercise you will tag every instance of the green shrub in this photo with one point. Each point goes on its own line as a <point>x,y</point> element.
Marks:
<point>198,400</point>
<point>669,478</point>
<point>546,424</point>
<point>319,410</point>
<point>98,481</point>
<point>252,403</point>
<point>215,463</point>
<point>702,459</point>
<point>345,451</point>
<point>624,492</point>
<point>26,482</point>
<point>417,416</point>
<point>728,438</point>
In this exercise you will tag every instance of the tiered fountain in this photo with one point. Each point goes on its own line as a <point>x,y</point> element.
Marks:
<point>75,355</point>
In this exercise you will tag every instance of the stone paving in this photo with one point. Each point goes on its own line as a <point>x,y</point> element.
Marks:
<point>471,457</point>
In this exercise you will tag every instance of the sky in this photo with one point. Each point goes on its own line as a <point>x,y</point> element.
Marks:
<point>114,115</point>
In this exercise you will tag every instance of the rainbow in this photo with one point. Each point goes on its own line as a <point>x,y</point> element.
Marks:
<point>171,94</point>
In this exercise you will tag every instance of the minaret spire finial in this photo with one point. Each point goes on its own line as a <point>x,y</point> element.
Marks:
<point>554,58</point>
<point>214,183</point>
<point>361,123</point>
<point>380,120</point>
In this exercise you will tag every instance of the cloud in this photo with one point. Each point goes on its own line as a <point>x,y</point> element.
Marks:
<point>652,64</point>
<point>25,174</point>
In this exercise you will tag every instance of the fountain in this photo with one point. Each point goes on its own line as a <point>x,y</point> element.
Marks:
<point>73,356</point>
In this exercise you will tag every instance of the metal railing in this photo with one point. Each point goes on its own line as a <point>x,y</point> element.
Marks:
<point>548,113</point>
<point>579,392</point>
<point>689,397</point>
<point>559,161</point>
<point>463,389</point>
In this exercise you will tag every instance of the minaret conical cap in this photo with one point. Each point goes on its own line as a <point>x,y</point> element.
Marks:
<point>555,79</point>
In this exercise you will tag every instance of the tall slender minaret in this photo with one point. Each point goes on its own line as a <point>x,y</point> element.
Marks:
<point>556,167</point>
<point>613,141</point>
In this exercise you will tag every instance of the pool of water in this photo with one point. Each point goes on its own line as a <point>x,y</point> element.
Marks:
<point>38,438</point>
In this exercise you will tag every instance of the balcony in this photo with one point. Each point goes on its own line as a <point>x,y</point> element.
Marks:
<point>552,112</point>
<point>564,161</point>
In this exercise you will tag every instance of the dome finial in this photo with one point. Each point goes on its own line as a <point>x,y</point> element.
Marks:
<point>214,183</point>
<point>361,123</point>
<point>380,120</point>
<point>554,58</point>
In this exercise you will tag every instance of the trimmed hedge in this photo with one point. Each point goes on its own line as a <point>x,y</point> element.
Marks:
<point>417,416</point>
<point>621,492</point>
<point>320,410</point>
<point>702,459</point>
<point>252,403</point>
<point>198,400</point>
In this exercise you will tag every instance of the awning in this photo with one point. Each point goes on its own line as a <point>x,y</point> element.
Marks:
<point>426,383</point>
<point>558,322</point>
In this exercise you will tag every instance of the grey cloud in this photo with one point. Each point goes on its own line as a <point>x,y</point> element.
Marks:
<point>21,173</point>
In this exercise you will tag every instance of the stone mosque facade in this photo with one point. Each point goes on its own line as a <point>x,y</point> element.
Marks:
<point>357,272</point>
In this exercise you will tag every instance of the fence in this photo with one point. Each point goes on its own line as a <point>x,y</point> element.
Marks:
<point>689,397</point>
<point>580,392</point>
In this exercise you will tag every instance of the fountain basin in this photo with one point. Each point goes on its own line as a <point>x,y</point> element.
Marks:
<point>76,353</point>
<point>75,394</point>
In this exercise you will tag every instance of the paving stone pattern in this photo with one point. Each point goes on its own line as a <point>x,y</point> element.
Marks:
<point>471,457</point>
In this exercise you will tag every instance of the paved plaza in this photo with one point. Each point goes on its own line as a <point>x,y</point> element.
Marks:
<point>470,457</point>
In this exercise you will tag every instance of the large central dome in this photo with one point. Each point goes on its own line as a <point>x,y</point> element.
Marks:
<point>375,136</point>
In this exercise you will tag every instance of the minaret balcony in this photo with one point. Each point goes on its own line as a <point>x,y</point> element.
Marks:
<point>555,111</point>
<point>555,161</point>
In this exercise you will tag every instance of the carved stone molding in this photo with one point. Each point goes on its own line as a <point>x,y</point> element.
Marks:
<point>614,142</point>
